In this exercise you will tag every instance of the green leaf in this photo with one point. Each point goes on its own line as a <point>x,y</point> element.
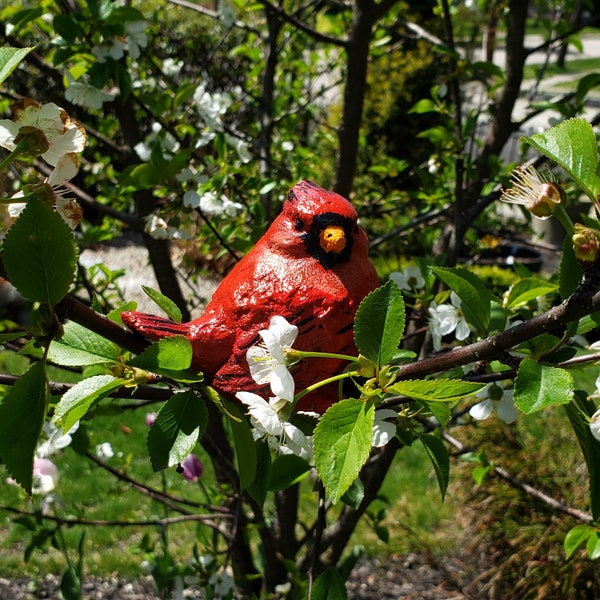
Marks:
<point>424,106</point>
<point>577,536</point>
<point>39,254</point>
<point>526,290</point>
<point>168,354</point>
<point>329,585</point>
<point>260,486</point>
<point>572,144</point>
<point>579,411</point>
<point>379,324</point>
<point>538,386</point>
<point>342,442</point>
<point>77,401</point>
<point>439,390</point>
<point>475,297</point>
<point>287,470</point>
<point>245,446</point>
<point>166,304</point>
<point>10,58</point>
<point>22,414</point>
<point>79,346</point>
<point>570,272</point>
<point>179,424</point>
<point>593,545</point>
<point>440,459</point>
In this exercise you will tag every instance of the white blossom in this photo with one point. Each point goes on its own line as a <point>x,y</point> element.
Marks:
<point>409,278</point>
<point>269,418</point>
<point>447,318</point>
<point>86,95</point>
<point>64,135</point>
<point>114,49</point>
<point>268,363</point>
<point>55,439</point>
<point>498,399</point>
<point>136,37</point>
<point>104,450</point>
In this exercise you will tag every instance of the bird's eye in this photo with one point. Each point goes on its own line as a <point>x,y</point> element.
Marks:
<point>299,225</point>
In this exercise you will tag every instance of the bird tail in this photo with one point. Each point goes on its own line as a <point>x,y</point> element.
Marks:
<point>153,327</point>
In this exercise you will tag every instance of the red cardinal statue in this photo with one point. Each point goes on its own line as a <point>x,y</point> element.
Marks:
<point>311,267</point>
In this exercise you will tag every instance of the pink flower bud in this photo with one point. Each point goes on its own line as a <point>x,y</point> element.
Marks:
<point>192,468</point>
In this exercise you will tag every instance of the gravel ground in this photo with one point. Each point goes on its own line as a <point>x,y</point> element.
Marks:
<point>128,253</point>
<point>397,578</point>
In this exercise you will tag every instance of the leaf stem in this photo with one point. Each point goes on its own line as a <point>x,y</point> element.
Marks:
<point>315,386</point>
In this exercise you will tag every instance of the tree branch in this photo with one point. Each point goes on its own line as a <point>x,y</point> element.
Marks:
<point>577,306</point>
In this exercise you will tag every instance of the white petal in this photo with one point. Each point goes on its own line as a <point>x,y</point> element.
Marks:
<point>482,410</point>
<point>8,132</point>
<point>462,330</point>
<point>595,425</point>
<point>506,411</point>
<point>66,168</point>
<point>296,441</point>
<point>282,383</point>
<point>285,332</point>
<point>262,413</point>
<point>260,363</point>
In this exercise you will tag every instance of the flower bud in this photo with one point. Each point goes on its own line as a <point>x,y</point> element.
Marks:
<point>586,245</point>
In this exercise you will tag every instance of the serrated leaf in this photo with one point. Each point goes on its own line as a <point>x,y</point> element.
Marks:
<point>165,304</point>
<point>572,144</point>
<point>379,324</point>
<point>329,585</point>
<point>22,414</point>
<point>440,459</point>
<point>9,60</point>
<point>342,442</point>
<point>579,411</point>
<point>79,346</point>
<point>287,470</point>
<point>179,424</point>
<point>475,297</point>
<point>39,254</point>
<point>576,537</point>
<point>76,402</point>
<point>439,390</point>
<point>538,386</point>
<point>526,290</point>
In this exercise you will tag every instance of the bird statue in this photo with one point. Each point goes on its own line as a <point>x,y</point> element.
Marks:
<point>312,268</point>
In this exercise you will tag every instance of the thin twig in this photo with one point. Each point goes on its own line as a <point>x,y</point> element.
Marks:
<point>71,521</point>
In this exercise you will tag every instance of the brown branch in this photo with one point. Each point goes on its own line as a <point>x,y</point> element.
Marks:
<point>579,305</point>
<point>75,310</point>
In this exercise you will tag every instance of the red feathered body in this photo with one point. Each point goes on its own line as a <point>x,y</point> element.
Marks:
<point>293,272</point>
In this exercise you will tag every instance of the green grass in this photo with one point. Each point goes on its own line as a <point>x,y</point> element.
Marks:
<point>575,66</point>
<point>88,492</point>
